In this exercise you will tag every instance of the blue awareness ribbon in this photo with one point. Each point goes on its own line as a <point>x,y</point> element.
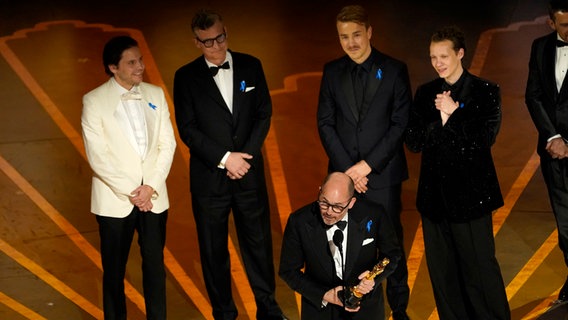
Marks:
<point>379,74</point>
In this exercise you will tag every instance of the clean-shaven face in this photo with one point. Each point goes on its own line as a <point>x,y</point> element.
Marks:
<point>331,197</point>
<point>130,68</point>
<point>355,40</point>
<point>217,53</point>
<point>560,24</point>
<point>446,61</point>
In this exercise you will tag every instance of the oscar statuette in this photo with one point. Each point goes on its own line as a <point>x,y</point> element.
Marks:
<point>351,298</point>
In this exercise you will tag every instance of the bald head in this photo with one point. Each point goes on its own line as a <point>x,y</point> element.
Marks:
<point>338,182</point>
<point>336,196</point>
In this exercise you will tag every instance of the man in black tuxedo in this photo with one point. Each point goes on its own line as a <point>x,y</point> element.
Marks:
<point>547,100</point>
<point>310,241</point>
<point>362,114</point>
<point>223,110</point>
<point>454,121</point>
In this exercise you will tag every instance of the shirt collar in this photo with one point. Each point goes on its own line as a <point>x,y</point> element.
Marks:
<point>228,57</point>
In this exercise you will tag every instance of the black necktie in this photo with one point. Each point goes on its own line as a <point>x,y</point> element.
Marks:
<point>561,44</point>
<point>359,85</point>
<point>215,70</point>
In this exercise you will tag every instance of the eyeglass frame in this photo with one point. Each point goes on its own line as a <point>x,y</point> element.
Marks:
<point>324,205</point>
<point>213,40</point>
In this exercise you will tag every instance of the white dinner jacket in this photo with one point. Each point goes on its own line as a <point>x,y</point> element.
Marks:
<point>117,167</point>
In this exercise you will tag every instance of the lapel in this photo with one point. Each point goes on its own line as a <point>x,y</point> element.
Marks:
<point>318,242</point>
<point>355,237</point>
<point>151,112</point>
<point>116,108</point>
<point>347,85</point>
<point>209,84</point>
<point>549,66</point>
<point>239,85</point>
<point>374,81</point>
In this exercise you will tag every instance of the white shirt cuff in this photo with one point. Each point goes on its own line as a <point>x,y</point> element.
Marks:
<point>554,137</point>
<point>221,164</point>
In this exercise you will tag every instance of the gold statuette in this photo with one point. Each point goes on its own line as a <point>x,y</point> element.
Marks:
<point>352,298</point>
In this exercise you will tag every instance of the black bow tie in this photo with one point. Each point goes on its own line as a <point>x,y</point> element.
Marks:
<point>560,44</point>
<point>340,224</point>
<point>215,70</point>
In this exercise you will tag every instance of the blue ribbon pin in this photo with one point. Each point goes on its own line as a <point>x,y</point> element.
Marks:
<point>153,106</point>
<point>369,224</point>
<point>243,86</point>
<point>379,74</point>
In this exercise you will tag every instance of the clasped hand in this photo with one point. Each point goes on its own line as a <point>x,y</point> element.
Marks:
<point>237,165</point>
<point>446,105</point>
<point>358,173</point>
<point>557,148</point>
<point>142,198</point>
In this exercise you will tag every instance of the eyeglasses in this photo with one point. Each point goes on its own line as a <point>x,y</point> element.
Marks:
<point>324,205</point>
<point>208,43</point>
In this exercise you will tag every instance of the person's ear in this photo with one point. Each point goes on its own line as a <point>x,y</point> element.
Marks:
<point>551,24</point>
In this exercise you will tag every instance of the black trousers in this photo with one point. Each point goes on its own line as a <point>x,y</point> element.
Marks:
<point>555,173</point>
<point>397,290</point>
<point>252,221</point>
<point>464,272</point>
<point>116,236</point>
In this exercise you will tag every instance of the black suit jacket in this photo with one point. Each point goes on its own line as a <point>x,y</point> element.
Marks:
<point>305,244</point>
<point>457,174</point>
<point>209,129</point>
<point>548,107</point>
<point>376,134</point>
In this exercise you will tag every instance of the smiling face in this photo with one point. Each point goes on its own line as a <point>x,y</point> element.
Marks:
<point>130,68</point>
<point>446,61</point>
<point>560,24</point>
<point>355,40</point>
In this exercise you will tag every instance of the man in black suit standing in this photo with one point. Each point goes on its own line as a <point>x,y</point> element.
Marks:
<point>362,114</point>
<point>223,110</point>
<point>318,264</point>
<point>454,121</point>
<point>547,100</point>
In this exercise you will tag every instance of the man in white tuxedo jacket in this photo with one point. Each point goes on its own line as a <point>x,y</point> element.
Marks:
<point>130,145</point>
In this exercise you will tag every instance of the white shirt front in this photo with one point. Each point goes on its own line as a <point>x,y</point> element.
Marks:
<point>131,102</point>
<point>224,80</point>
<point>338,260</point>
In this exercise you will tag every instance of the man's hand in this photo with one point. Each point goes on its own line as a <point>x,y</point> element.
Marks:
<point>142,197</point>
<point>331,297</point>
<point>446,105</point>
<point>236,165</point>
<point>557,148</point>
<point>358,172</point>
<point>365,286</point>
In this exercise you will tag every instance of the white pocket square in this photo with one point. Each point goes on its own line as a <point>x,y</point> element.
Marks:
<point>247,89</point>
<point>367,241</point>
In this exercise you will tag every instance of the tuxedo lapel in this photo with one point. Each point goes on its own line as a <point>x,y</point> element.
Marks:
<point>347,84</point>
<point>549,65</point>
<point>150,108</point>
<point>210,85</point>
<point>374,81</point>
<point>355,237</point>
<point>121,123</point>
<point>237,90</point>
<point>319,245</point>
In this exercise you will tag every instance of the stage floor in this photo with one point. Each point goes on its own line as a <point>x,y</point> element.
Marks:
<point>50,56</point>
